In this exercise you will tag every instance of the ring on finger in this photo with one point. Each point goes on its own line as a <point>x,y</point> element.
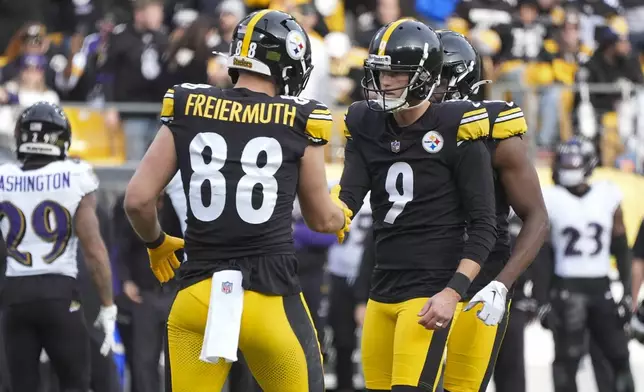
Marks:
<point>439,324</point>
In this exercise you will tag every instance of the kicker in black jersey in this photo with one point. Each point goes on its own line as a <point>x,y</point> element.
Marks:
<point>238,152</point>
<point>426,181</point>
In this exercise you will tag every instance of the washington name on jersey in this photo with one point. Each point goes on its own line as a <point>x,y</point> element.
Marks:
<point>238,153</point>
<point>37,209</point>
<point>581,229</point>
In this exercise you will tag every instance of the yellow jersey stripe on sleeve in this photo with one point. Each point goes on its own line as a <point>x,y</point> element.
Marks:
<point>475,129</point>
<point>474,113</point>
<point>249,31</point>
<point>511,125</point>
<point>509,112</point>
<point>322,111</point>
<point>167,107</point>
<point>319,128</point>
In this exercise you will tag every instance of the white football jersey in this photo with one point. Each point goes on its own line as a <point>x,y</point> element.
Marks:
<point>344,259</point>
<point>581,229</point>
<point>37,209</point>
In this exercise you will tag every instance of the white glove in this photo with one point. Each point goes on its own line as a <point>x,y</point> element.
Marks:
<point>492,297</point>
<point>106,320</point>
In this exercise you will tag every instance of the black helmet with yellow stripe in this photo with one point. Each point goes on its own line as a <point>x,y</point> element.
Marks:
<point>273,44</point>
<point>404,46</point>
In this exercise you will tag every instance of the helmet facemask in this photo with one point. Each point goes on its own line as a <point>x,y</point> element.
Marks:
<point>420,86</point>
<point>458,76</point>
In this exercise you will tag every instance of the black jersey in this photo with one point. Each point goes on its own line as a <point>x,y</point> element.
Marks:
<point>426,181</point>
<point>238,152</point>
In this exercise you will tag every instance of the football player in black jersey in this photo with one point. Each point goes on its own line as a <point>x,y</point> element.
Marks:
<point>428,172</point>
<point>243,153</point>
<point>473,345</point>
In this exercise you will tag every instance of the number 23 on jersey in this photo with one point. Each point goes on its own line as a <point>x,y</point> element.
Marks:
<point>208,155</point>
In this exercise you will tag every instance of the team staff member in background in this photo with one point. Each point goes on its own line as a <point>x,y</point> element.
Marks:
<point>48,205</point>
<point>238,238</point>
<point>395,143</point>
<point>581,299</point>
<point>473,346</point>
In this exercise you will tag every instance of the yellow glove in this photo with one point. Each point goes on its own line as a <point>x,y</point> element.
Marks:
<point>163,261</point>
<point>335,196</point>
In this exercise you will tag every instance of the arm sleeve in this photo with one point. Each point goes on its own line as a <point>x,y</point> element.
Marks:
<point>619,248</point>
<point>363,282</point>
<point>473,173</point>
<point>543,270</point>
<point>355,182</point>
<point>122,241</point>
<point>638,247</point>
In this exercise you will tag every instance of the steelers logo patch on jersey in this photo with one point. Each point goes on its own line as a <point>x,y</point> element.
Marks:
<point>433,142</point>
<point>295,45</point>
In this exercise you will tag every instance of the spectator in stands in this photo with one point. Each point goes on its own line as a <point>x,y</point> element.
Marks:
<point>231,13</point>
<point>386,12</point>
<point>521,43</point>
<point>30,40</point>
<point>318,85</point>
<point>560,58</point>
<point>634,13</point>
<point>187,57</point>
<point>612,61</point>
<point>134,73</point>
<point>26,89</point>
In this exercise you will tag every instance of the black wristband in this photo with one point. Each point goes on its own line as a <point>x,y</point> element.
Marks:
<point>156,243</point>
<point>460,283</point>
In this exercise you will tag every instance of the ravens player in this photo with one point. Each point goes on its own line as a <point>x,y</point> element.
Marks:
<point>428,173</point>
<point>473,346</point>
<point>243,153</point>
<point>48,205</point>
<point>586,227</point>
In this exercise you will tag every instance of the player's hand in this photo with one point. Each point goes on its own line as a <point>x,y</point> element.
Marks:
<point>132,291</point>
<point>492,297</point>
<point>439,310</point>
<point>335,196</point>
<point>106,321</point>
<point>163,261</point>
<point>358,314</point>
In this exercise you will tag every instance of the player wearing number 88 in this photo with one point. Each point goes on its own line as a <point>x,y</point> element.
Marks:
<point>48,205</point>
<point>428,172</point>
<point>243,154</point>
<point>586,226</point>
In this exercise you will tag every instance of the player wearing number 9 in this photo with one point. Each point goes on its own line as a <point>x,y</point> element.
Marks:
<point>428,171</point>
<point>586,226</point>
<point>243,154</point>
<point>47,205</point>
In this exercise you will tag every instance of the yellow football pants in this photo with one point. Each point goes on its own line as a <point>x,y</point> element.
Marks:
<point>277,339</point>
<point>397,351</point>
<point>472,349</point>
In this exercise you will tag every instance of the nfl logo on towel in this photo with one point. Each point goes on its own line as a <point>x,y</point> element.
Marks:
<point>226,287</point>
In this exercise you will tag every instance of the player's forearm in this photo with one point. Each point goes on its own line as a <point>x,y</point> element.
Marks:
<point>98,265</point>
<point>530,239</point>
<point>143,218</point>
<point>637,278</point>
<point>464,276</point>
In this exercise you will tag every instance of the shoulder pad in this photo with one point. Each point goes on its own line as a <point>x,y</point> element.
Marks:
<point>84,173</point>
<point>472,119</point>
<point>352,112</point>
<point>319,120</point>
<point>182,93</point>
<point>167,107</point>
<point>507,119</point>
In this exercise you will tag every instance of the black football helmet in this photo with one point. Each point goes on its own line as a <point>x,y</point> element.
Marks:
<point>273,44</point>
<point>43,130</point>
<point>404,46</point>
<point>574,162</point>
<point>461,66</point>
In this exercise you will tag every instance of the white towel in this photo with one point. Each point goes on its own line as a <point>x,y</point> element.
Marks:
<point>221,336</point>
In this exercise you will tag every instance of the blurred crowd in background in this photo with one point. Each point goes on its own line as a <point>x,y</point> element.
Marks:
<point>575,66</point>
